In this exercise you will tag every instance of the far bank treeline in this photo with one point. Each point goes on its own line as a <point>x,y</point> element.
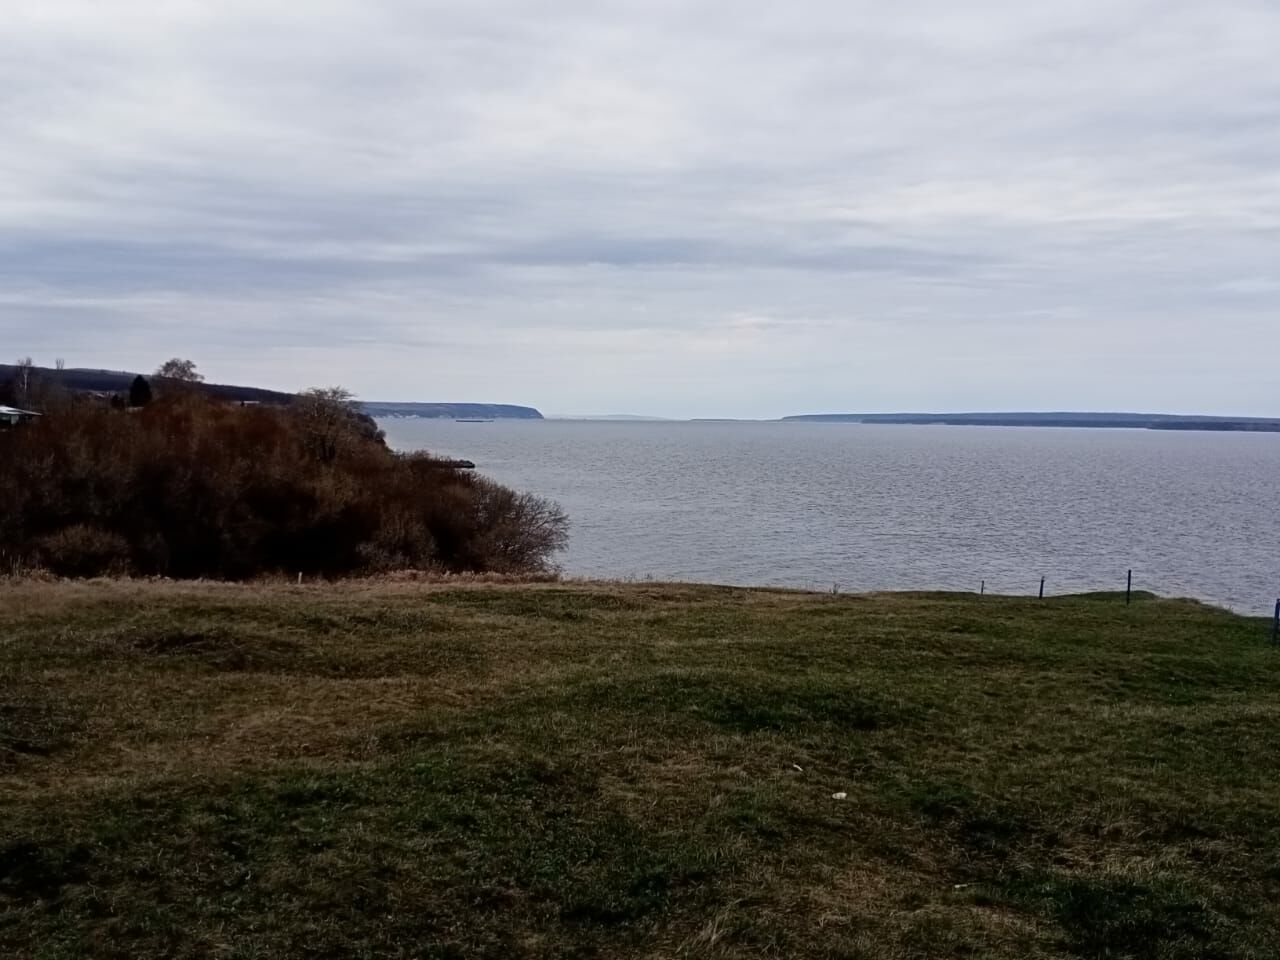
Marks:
<point>189,485</point>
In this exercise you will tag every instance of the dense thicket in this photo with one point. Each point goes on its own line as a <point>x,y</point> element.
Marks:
<point>192,487</point>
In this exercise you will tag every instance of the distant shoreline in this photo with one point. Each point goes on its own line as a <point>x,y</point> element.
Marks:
<point>450,411</point>
<point>1080,422</point>
<point>1107,421</point>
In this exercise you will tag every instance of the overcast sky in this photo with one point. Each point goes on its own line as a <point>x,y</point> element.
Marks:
<point>671,207</point>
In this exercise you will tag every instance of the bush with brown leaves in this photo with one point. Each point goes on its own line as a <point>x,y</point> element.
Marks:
<point>192,487</point>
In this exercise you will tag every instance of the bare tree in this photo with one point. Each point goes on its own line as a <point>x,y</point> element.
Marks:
<point>59,364</point>
<point>329,420</point>
<point>178,369</point>
<point>22,381</point>
<point>334,395</point>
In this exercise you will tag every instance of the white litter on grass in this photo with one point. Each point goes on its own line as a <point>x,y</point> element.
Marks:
<point>797,767</point>
<point>840,796</point>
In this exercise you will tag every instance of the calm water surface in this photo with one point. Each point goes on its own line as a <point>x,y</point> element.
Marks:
<point>896,507</point>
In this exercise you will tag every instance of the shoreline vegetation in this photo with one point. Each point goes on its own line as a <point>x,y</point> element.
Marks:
<point>388,768</point>
<point>178,482</point>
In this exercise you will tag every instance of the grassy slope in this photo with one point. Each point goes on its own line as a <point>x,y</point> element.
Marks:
<point>638,771</point>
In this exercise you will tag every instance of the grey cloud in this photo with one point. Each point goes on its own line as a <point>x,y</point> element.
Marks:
<point>928,204</point>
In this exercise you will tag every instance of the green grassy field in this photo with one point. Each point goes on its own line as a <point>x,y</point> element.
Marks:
<point>556,770</point>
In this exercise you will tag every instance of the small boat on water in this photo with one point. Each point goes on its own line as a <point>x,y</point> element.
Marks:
<point>474,420</point>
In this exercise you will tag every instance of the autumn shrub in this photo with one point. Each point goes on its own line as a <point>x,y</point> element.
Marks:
<point>82,550</point>
<point>192,487</point>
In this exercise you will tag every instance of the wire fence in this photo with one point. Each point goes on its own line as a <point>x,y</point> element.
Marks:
<point>834,587</point>
<point>831,586</point>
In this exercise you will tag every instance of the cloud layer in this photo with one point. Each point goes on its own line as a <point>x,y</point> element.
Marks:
<point>678,208</point>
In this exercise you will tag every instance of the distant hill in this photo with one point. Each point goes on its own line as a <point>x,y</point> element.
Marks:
<point>452,411</point>
<point>117,381</point>
<point>1139,421</point>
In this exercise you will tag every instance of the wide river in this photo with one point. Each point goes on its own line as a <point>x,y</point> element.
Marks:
<point>862,507</point>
